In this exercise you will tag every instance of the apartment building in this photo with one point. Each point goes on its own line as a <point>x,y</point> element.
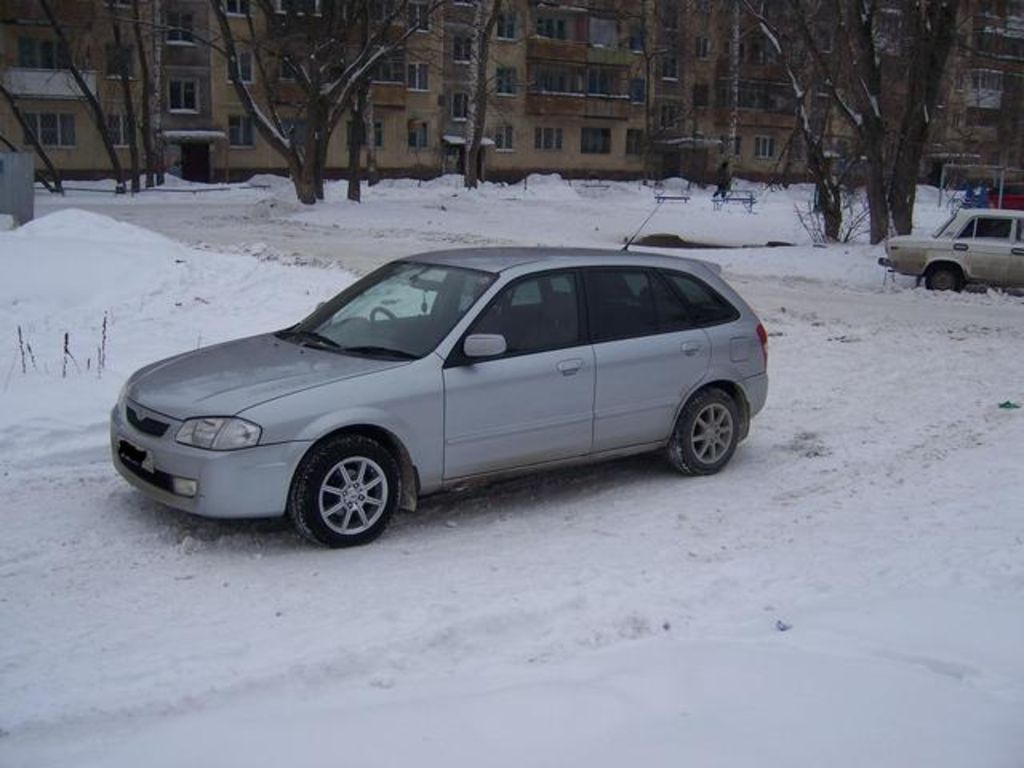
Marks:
<point>586,88</point>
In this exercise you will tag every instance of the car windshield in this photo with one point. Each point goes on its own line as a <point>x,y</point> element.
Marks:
<point>401,311</point>
<point>946,230</point>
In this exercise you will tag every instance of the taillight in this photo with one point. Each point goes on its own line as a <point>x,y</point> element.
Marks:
<point>762,335</point>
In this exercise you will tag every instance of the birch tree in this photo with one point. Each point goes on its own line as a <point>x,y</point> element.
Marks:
<point>484,21</point>
<point>326,50</point>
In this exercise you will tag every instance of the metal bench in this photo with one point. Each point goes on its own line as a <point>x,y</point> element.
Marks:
<point>746,199</point>
<point>661,197</point>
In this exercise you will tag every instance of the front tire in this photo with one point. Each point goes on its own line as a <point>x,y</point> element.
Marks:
<point>706,433</point>
<point>344,491</point>
<point>943,278</point>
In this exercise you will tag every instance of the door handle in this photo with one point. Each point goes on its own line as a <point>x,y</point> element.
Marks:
<point>690,348</point>
<point>1017,251</point>
<point>959,246</point>
<point>570,367</point>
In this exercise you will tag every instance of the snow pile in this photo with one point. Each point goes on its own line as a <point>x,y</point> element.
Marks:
<point>119,296</point>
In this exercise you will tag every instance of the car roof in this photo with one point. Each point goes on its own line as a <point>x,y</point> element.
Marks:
<point>1008,213</point>
<point>499,259</point>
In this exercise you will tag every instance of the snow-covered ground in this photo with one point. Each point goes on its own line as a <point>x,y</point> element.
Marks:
<point>849,592</point>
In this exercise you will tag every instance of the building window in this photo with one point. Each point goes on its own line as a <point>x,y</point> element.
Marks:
<point>460,106</point>
<point>184,96</point>
<point>555,28</point>
<point>244,68</point>
<point>636,38</point>
<point>700,94</point>
<point>505,81</point>
<point>599,81</point>
<point>117,127</point>
<point>634,141</point>
<point>42,54</point>
<point>240,131</point>
<point>547,138</point>
<point>702,47</point>
<point>418,79</point>
<point>120,60</point>
<point>294,131</point>
<point>668,116</point>
<point>669,67</point>
<point>462,49</point>
<point>595,141</point>
<point>390,69</point>
<point>298,7</point>
<point>179,28</point>
<point>638,90</point>
<point>503,138</point>
<point>52,130</point>
<point>505,28</point>
<point>603,33</point>
<point>378,134</point>
<point>554,79</point>
<point>764,147</point>
<point>419,17</point>
<point>236,7</point>
<point>417,135</point>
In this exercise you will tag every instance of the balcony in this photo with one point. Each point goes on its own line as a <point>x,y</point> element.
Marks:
<point>389,94</point>
<point>548,104</point>
<point>606,107</point>
<point>610,57</point>
<point>562,51</point>
<point>46,83</point>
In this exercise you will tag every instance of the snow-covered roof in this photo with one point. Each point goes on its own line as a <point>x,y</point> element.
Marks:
<point>457,141</point>
<point>194,135</point>
<point>692,141</point>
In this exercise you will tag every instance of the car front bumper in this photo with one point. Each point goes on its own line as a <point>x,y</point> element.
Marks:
<point>252,482</point>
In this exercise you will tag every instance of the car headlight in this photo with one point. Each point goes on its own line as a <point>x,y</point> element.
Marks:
<point>219,433</point>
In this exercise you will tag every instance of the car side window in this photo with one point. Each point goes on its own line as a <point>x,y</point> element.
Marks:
<point>673,314</point>
<point>968,231</point>
<point>535,314</point>
<point>705,306</point>
<point>996,229</point>
<point>620,304</point>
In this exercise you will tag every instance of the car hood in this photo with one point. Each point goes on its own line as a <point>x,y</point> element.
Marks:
<point>227,378</point>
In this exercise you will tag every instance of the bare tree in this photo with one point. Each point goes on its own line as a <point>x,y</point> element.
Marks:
<point>484,21</point>
<point>327,51</point>
<point>123,60</point>
<point>149,104</point>
<point>95,108</point>
<point>54,184</point>
<point>803,78</point>
<point>891,127</point>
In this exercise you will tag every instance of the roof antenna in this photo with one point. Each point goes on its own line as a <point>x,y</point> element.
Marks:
<point>650,216</point>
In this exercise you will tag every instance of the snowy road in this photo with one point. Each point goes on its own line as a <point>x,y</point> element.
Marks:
<point>600,616</point>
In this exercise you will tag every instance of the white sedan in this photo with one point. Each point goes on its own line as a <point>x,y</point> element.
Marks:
<point>974,246</point>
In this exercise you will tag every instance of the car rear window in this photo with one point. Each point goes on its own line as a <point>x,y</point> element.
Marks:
<point>704,304</point>
<point>993,228</point>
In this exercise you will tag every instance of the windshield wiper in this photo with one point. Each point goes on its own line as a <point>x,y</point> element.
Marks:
<point>370,349</point>
<point>310,337</point>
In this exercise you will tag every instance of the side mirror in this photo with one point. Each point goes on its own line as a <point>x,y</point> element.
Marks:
<point>484,345</point>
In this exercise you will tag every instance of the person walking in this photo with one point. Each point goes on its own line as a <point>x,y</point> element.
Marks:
<point>724,180</point>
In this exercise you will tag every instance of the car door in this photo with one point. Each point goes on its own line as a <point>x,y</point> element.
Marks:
<point>1015,262</point>
<point>983,247</point>
<point>647,355</point>
<point>534,403</point>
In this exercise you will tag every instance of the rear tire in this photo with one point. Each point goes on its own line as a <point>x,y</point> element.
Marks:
<point>944,278</point>
<point>706,433</point>
<point>344,491</point>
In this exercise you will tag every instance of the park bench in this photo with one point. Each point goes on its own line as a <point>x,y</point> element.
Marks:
<point>664,197</point>
<point>746,199</point>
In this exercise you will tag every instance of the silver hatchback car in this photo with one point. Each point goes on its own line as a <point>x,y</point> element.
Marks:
<point>445,368</point>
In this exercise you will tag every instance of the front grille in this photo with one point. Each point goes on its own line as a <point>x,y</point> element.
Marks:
<point>146,424</point>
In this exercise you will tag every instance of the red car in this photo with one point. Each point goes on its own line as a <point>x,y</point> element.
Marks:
<point>1013,197</point>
